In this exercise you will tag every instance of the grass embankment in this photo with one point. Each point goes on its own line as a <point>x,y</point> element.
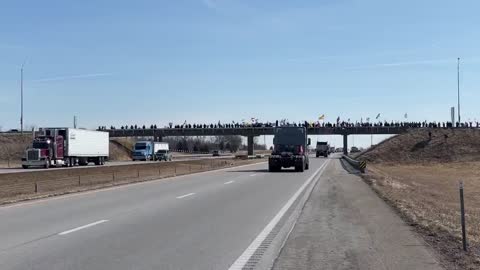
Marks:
<point>419,176</point>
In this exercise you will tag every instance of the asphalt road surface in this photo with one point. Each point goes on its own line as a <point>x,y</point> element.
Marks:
<point>202,221</point>
<point>208,220</point>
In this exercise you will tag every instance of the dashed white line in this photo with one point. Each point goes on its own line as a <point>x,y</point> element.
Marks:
<point>253,174</point>
<point>229,182</point>
<point>83,227</point>
<point>186,195</point>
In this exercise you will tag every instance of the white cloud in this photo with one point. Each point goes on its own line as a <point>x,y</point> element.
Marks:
<point>399,64</point>
<point>80,76</point>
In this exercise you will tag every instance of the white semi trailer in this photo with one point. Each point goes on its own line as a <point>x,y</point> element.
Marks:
<point>67,147</point>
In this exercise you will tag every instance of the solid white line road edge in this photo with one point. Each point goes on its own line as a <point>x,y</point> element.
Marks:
<point>186,195</point>
<point>247,254</point>
<point>83,227</point>
<point>229,182</point>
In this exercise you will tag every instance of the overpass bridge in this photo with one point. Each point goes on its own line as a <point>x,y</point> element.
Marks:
<point>251,132</point>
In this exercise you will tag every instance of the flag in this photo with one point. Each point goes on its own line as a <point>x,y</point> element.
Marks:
<point>378,116</point>
<point>338,119</point>
<point>322,117</point>
<point>406,115</point>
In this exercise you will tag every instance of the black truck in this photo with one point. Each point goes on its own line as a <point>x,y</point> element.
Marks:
<point>290,149</point>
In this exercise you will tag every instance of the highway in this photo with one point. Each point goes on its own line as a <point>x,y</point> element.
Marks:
<point>202,221</point>
<point>215,220</point>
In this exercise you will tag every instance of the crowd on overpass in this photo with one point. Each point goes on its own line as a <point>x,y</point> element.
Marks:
<point>317,124</point>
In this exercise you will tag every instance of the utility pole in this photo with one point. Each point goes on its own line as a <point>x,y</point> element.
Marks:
<point>21,98</point>
<point>458,88</point>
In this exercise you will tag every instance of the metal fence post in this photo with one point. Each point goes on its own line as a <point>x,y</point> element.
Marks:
<point>462,213</point>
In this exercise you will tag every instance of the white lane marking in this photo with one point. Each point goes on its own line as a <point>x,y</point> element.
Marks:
<point>253,174</point>
<point>245,257</point>
<point>83,227</point>
<point>229,182</point>
<point>186,195</point>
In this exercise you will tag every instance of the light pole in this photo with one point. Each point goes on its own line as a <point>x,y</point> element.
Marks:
<point>21,97</point>
<point>458,88</point>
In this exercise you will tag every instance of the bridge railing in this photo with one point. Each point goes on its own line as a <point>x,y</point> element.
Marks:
<point>250,131</point>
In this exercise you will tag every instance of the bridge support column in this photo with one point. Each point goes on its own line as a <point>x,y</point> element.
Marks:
<point>345,144</point>
<point>250,145</point>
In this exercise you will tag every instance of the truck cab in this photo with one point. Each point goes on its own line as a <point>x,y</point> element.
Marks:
<point>142,150</point>
<point>290,149</point>
<point>322,149</point>
<point>46,150</point>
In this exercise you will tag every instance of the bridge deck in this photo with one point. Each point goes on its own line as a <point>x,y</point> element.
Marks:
<point>250,131</point>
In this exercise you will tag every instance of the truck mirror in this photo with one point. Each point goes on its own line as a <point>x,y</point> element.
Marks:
<point>309,141</point>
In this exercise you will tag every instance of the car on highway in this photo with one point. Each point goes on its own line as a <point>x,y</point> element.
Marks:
<point>163,154</point>
<point>216,153</point>
<point>354,149</point>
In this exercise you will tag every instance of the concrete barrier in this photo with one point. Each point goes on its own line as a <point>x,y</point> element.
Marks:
<point>359,165</point>
<point>31,184</point>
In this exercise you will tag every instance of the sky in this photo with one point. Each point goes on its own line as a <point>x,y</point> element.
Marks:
<point>113,62</point>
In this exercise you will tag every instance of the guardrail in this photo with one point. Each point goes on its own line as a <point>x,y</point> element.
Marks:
<point>359,165</point>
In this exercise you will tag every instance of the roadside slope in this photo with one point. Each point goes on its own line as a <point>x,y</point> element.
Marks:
<point>418,175</point>
<point>444,145</point>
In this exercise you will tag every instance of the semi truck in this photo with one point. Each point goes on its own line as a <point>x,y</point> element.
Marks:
<point>322,149</point>
<point>290,149</point>
<point>66,147</point>
<point>146,150</point>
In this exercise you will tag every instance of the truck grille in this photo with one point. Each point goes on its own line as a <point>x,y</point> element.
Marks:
<point>33,155</point>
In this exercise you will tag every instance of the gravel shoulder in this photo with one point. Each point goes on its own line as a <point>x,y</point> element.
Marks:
<point>345,225</point>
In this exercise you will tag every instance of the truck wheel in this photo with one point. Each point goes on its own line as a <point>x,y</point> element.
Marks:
<point>300,168</point>
<point>97,161</point>
<point>317,155</point>
<point>25,166</point>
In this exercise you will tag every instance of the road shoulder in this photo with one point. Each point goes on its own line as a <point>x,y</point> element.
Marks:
<point>345,225</point>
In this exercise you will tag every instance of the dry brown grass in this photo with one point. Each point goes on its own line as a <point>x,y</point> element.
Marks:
<point>415,146</point>
<point>428,197</point>
<point>419,176</point>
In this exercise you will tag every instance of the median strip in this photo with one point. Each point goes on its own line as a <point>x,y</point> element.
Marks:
<point>83,227</point>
